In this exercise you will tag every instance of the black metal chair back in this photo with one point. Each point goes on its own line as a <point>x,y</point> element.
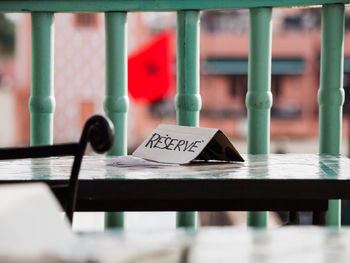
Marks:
<point>98,130</point>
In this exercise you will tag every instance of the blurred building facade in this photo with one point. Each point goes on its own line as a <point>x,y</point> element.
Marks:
<point>79,80</point>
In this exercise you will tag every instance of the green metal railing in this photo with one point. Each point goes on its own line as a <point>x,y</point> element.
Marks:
<point>188,100</point>
<point>331,93</point>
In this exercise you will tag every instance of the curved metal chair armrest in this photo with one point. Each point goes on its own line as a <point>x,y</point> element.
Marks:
<point>99,131</point>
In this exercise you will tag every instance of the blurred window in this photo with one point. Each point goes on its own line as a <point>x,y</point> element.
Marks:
<point>346,107</point>
<point>86,20</point>
<point>289,109</point>
<point>293,23</point>
<point>276,86</point>
<point>7,35</point>
<point>306,19</point>
<point>239,87</point>
<point>347,21</point>
<point>225,21</point>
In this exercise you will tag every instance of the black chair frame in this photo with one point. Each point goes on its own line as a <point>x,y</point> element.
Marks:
<point>98,130</point>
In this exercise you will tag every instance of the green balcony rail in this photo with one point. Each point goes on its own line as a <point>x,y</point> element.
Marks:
<point>42,101</point>
<point>188,100</point>
<point>148,5</point>
<point>331,93</point>
<point>259,96</point>
<point>116,103</point>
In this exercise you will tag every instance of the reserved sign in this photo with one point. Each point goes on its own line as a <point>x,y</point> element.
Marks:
<point>183,144</point>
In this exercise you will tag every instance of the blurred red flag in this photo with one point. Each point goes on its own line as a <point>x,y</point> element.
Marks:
<point>150,69</point>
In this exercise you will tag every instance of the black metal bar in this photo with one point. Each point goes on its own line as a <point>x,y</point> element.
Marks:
<point>39,151</point>
<point>114,195</point>
<point>319,218</point>
<point>183,188</point>
<point>294,218</point>
<point>115,205</point>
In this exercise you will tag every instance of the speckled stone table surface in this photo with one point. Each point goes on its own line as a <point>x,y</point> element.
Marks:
<point>277,180</point>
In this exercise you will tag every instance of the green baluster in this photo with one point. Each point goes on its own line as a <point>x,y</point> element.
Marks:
<point>116,103</point>
<point>331,92</point>
<point>187,100</point>
<point>259,97</point>
<point>42,100</point>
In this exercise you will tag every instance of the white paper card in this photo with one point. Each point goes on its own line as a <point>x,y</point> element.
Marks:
<point>182,144</point>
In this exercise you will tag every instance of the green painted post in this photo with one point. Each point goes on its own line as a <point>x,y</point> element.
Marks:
<point>188,100</point>
<point>259,97</point>
<point>42,100</point>
<point>116,103</point>
<point>331,92</point>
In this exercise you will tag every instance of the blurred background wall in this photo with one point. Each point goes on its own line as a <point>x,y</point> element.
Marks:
<point>79,80</point>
